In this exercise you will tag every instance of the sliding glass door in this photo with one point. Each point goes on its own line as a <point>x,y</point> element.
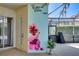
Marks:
<point>5,32</point>
<point>1,32</point>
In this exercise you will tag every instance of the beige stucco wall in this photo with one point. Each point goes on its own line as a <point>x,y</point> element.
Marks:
<point>7,12</point>
<point>23,12</point>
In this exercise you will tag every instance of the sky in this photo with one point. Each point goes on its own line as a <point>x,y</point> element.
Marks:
<point>72,10</point>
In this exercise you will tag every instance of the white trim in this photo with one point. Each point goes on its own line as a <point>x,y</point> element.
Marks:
<point>14,33</point>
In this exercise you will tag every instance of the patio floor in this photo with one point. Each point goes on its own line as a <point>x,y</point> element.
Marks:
<point>17,52</point>
<point>68,49</point>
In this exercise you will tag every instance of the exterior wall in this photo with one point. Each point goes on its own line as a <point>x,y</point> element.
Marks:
<point>21,38</point>
<point>38,16</point>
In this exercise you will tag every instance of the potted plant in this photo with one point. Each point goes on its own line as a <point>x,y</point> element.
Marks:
<point>51,45</point>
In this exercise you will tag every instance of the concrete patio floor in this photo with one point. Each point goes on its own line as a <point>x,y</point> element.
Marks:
<point>68,49</point>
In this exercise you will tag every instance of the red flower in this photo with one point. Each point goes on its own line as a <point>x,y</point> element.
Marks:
<point>33,29</point>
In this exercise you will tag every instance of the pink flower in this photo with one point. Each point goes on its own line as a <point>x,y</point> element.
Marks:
<point>34,42</point>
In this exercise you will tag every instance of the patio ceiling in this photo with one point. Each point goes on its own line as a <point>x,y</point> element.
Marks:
<point>12,5</point>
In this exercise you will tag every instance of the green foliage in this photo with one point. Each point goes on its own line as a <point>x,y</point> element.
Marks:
<point>51,43</point>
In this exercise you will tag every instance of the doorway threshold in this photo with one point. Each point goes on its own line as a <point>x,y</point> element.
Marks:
<point>1,49</point>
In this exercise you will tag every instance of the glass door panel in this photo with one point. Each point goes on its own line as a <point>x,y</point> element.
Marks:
<point>1,32</point>
<point>7,32</point>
